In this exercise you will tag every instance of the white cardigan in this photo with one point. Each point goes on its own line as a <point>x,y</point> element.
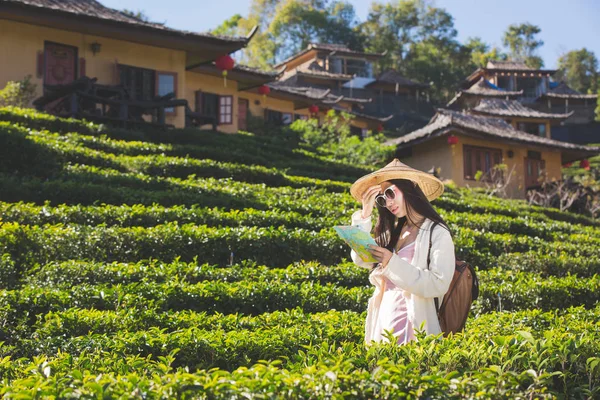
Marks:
<point>420,284</point>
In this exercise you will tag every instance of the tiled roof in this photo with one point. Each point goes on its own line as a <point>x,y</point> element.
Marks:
<point>392,76</point>
<point>257,71</point>
<point>513,108</point>
<point>513,65</point>
<point>446,120</point>
<point>365,116</point>
<point>95,9</point>
<point>485,89</point>
<point>308,92</point>
<point>563,91</point>
<point>341,48</point>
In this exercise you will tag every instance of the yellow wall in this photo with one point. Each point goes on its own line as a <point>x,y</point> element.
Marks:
<point>433,153</point>
<point>516,187</point>
<point>437,153</point>
<point>212,84</point>
<point>20,43</point>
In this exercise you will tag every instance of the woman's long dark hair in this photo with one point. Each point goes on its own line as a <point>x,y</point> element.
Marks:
<point>387,232</point>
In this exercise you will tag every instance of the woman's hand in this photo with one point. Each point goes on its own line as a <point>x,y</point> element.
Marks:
<point>381,254</point>
<point>368,200</point>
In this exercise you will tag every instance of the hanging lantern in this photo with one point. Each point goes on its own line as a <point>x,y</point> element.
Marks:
<point>380,128</point>
<point>585,164</point>
<point>452,140</point>
<point>313,109</point>
<point>264,90</point>
<point>224,63</point>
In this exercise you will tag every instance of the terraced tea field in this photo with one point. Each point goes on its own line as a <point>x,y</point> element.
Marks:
<point>202,265</point>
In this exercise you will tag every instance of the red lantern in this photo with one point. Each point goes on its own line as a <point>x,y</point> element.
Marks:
<point>225,63</point>
<point>264,90</point>
<point>313,109</point>
<point>380,128</point>
<point>452,140</point>
<point>585,164</point>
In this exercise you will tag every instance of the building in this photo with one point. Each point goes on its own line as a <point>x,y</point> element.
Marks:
<point>57,42</point>
<point>513,76</point>
<point>496,119</point>
<point>478,143</point>
<point>386,98</point>
<point>520,117</point>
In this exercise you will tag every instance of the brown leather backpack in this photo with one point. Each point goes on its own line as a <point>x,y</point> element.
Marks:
<point>463,291</point>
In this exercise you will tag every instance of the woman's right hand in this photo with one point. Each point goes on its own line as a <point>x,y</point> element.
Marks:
<point>368,200</point>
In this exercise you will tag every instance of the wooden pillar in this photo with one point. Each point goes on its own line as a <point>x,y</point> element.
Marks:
<point>161,115</point>
<point>73,110</point>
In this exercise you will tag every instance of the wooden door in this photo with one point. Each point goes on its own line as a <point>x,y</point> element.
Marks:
<point>533,171</point>
<point>60,64</point>
<point>242,114</point>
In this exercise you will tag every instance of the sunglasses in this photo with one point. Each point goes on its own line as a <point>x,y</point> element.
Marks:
<point>382,199</point>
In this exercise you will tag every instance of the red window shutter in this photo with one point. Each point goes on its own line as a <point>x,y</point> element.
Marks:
<point>40,64</point>
<point>81,67</point>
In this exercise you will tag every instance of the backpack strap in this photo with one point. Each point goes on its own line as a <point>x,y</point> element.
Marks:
<point>435,299</point>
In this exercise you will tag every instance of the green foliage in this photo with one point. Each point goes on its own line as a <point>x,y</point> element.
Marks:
<point>18,93</point>
<point>229,27</point>
<point>333,137</point>
<point>522,41</point>
<point>579,69</point>
<point>117,277</point>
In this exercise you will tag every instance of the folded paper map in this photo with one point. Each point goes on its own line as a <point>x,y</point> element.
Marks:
<point>358,239</point>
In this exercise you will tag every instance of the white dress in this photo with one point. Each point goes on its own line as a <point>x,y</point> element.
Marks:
<point>393,311</point>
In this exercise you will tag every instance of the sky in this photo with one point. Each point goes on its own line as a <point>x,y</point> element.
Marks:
<point>566,24</point>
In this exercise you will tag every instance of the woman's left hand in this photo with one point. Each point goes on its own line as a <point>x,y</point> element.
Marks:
<point>381,254</point>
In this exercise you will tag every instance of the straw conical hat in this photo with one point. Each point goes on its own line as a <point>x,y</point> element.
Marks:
<point>431,186</point>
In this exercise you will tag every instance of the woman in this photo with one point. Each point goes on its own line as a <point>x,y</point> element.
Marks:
<point>405,282</point>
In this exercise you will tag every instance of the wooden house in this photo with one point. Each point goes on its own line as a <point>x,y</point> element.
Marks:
<point>460,144</point>
<point>513,76</point>
<point>521,117</point>
<point>58,42</point>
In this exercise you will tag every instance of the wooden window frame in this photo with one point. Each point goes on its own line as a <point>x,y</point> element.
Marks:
<point>226,114</point>
<point>470,165</point>
<point>157,73</point>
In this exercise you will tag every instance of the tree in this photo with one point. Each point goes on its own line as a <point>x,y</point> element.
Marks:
<point>481,52</point>
<point>229,27</point>
<point>579,69</point>
<point>392,27</point>
<point>297,23</point>
<point>522,42</point>
<point>288,26</point>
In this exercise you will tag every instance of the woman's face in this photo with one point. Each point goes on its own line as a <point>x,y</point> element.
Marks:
<point>397,206</point>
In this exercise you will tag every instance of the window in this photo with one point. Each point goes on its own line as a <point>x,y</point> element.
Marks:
<point>480,159</point>
<point>139,82</point>
<point>504,82</point>
<point>207,104</point>
<point>359,67</point>
<point>166,82</point>
<point>225,110</point>
<point>533,128</point>
<point>529,86</point>
<point>286,118</point>
<point>273,117</point>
